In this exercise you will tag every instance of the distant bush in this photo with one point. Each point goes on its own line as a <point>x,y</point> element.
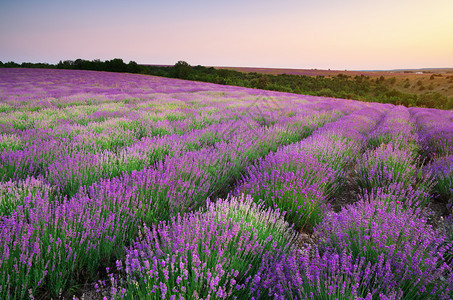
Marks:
<point>449,104</point>
<point>182,69</point>
<point>432,100</point>
<point>326,92</point>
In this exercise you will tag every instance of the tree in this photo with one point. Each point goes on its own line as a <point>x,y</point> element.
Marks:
<point>66,64</point>
<point>11,64</point>
<point>97,64</point>
<point>79,64</point>
<point>182,69</point>
<point>133,67</point>
<point>115,65</point>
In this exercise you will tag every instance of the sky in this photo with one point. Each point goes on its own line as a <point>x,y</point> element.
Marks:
<point>322,34</point>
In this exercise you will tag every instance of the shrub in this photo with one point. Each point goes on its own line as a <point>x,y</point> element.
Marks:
<point>385,233</point>
<point>222,252</point>
<point>294,182</point>
<point>442,171</point>
<point>387,165</point>
<point>438,141</point>
<point>18,193</point>
<point>333,276</point>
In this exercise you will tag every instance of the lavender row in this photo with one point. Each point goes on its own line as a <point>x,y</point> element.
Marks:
<point>394,167</point>
<point>179,183</point>
<point>371,249</point>
<point>442,172</point>
<point>368,250</point>
<point>224,252</point>
<point>435,130</point>
<point>379,247</point>
<point>398,129</point>
<point>299,178</point>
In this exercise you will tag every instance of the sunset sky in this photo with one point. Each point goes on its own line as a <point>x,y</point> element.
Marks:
<point>323,34</point>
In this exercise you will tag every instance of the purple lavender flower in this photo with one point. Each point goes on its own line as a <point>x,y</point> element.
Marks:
<point>379,231</point>
<point>216,253</point>
<point>442,171</point>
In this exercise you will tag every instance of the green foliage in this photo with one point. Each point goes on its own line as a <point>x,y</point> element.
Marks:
<point>449,104</point>
<point>378,170</point>
<point>182,70</point>
<point>20,193</point>
<point>302,209</point>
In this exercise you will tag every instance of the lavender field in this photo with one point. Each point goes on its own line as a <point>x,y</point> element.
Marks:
<point>130,186</point>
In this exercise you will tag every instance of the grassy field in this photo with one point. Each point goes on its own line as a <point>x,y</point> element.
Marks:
<point>410,81</point>
<point>127,186</point>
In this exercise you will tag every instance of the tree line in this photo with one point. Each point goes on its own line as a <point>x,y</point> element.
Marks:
<point>341,86</point>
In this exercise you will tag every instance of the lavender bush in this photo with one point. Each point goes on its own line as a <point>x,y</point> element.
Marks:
<point>387,165</point>
<point>384,233</point>
<point>218,253</point>
<point>294,182</point>
<point>397,128</point>
<point>442,170</point>
<point>15,193</point>
<point>333,276</point>
<point>436,132</point>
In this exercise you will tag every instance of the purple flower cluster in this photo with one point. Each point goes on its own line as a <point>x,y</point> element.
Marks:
<point>339,143</point>
<point>394,166</point>
<point>442,171</point>
<point>384,166</point>
<point>436,132</point>
<point>224,252</point>
<point>294,182</point>
<point>397,128</point>
<point>15,193</point>
<point>397,193</point>
<point>366,250</point>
